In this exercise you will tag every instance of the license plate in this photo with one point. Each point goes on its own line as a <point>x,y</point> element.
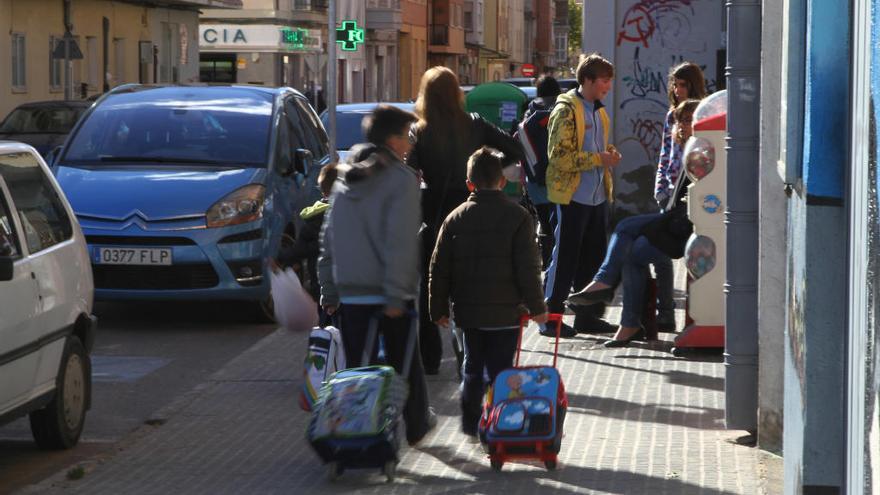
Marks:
<point>133,256</point>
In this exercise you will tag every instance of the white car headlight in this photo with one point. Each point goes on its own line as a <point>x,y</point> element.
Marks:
<point>240,206</point>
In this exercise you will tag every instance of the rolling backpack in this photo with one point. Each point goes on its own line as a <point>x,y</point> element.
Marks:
<point>355,421</point>
<point>524,412</point>
<point>325,356</point>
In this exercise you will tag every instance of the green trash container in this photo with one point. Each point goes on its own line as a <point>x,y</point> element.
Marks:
<point>502,104</point>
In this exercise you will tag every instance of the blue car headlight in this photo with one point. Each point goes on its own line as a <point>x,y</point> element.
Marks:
<point>240,206</point>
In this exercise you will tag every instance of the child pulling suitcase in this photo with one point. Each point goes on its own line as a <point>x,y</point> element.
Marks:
<point>525,411</point>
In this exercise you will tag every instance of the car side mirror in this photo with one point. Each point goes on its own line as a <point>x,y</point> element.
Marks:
<point>6,267</point>
<point>302,161</point>
<point>53,155</point>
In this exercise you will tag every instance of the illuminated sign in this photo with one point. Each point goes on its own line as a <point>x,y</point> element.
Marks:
<point>256,38</point>
<point>349,35</point>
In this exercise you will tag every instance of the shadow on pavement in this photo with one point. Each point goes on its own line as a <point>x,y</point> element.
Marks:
<point>705,418</point>
<point>567,479</point>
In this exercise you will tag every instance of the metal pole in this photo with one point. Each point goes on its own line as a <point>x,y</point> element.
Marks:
<point>331,75</point>
<point>741,214</point>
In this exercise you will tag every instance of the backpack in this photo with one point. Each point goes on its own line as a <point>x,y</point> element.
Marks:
<point>325,357</point>
<point>534,135</point>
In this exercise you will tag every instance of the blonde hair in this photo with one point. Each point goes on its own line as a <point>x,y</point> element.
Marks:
<point>440,104</point>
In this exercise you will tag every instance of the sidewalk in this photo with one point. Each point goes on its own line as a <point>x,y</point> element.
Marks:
<point>640,421</point>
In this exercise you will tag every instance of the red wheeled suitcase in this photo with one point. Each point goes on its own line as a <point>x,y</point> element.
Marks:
<point>525,411</point>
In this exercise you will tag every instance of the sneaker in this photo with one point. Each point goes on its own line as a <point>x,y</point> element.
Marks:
<point>431,423</point>
<point>565,332</point>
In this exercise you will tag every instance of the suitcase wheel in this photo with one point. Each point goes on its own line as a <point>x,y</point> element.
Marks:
<point>389,469</point>
<point>496,464</point>
<point>550,465</point>
<point>334,470</point>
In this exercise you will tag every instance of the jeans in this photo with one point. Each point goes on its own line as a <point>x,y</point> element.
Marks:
<point>355,319</point>
<point>492,350</point>
<point>635,272</point>
<point>620,246</point>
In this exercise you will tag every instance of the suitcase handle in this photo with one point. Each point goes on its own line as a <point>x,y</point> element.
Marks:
<point>524,320</point>
<point>372,338</point>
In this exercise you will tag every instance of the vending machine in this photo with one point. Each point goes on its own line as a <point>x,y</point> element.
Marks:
<point>705,162</point>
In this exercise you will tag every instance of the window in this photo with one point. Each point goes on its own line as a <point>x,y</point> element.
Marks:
<point>92,54</point>
<point>119,61</point>
<point>19,79</point>
<point>40,209</point>
<point>297,134</point>
<point>56,66</point>
<point>8,240</point>
<point>318,143</point>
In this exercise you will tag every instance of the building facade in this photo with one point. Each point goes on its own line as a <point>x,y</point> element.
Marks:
<point>267,42</point>
<point>413,60</point>
<point>116,42</point>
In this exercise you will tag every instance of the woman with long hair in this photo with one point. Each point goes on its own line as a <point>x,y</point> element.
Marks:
<point>443,139</point>
<point>685,82</point>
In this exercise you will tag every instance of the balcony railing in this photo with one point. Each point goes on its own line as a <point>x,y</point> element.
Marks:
<point>383,4</point>
<point>439,34</point>
<point>310,5</point>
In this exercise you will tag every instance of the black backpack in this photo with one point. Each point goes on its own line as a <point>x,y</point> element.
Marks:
<point>533,134</point>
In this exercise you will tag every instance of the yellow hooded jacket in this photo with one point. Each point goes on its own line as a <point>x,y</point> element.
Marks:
<point>565,149</point>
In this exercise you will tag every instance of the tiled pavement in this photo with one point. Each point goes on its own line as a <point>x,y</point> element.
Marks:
<point>640,421</point>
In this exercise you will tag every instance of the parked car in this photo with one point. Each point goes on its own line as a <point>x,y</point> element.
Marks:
<point>42,124</point>
<point>348,123</point>
<point>46,323</point>
<point>568,84</point>
<point>520,81</point>
<point>183,192</point>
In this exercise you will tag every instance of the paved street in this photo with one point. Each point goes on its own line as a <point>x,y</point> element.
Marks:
<point>640,421</point>
<point>145,355</point>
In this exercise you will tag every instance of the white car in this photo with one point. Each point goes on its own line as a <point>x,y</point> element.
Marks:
<point>46,290</point>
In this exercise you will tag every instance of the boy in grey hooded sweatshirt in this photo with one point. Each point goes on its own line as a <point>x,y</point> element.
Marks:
<point>369,253</point>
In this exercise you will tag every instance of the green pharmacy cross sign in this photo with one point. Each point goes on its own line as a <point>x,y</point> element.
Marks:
<point>349,35</point>
<point>295,39</point>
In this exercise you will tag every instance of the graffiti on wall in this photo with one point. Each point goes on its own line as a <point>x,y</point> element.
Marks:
<point>651,37</point>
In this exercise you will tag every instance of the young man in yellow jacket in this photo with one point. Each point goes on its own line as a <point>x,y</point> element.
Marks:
<point>579,183</point>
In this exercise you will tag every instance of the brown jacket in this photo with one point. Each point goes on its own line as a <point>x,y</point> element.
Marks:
<point>486,264</point>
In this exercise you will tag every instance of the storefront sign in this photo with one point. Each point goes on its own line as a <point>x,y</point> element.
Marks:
<point>258,38</point>
<point>350,35</point>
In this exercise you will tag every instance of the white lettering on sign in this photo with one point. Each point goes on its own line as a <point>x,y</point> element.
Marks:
<point>258,38</point>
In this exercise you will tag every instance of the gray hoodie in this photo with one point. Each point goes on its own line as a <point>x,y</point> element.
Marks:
<point>369,245</point>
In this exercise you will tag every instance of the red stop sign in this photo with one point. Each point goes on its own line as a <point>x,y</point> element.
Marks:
<point>528,70</point>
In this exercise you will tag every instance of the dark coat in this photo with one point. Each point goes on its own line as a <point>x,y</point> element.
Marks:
<point>486,262</point>
<point>442,164</point>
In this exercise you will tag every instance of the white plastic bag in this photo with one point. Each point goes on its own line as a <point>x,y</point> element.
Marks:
<point>294,308</point>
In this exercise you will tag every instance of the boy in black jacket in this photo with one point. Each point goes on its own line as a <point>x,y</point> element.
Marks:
<point>306,246</point>
<point>486,264</point>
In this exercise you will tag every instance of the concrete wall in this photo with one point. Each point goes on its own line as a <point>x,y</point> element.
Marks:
<point>772,240</point>
<point>816,312</point>
<point>644,39</point>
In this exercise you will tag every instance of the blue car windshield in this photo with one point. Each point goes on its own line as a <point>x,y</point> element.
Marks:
<point>176,126</point>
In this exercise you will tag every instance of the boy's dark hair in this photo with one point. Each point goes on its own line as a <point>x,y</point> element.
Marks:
<point>386,121</point>
<point>685,109</point>
<point>484,168</point>
<point>547,85</point>
<point>326,178</point>
<point>593,66</point>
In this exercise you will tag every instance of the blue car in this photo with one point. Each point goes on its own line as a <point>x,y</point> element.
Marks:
<point>183,192</point>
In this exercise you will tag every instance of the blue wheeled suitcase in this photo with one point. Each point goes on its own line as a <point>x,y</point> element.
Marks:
<point>355,420</point>
<point>525,409</point>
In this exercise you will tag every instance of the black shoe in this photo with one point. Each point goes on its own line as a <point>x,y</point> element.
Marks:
<point>640,335</point>
<point>584,323</point>
<point>665,324</point>
<point>430,424</point>
<point>584,298</point>
<point>549,330</point>
<point>432,370</point>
